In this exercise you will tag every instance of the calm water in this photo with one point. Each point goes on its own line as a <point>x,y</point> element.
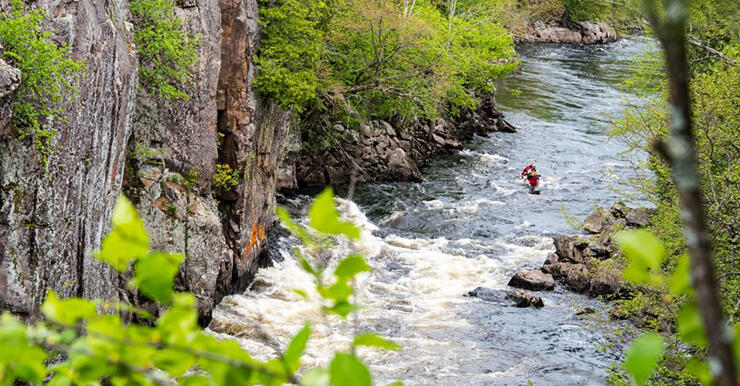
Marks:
<point>469,224</point>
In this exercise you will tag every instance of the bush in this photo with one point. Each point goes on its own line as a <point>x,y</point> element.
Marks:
<point>47,76</point>
<point>167,52</point>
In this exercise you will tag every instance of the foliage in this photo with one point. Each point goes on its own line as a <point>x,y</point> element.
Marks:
<point>646,253</point>
<point>167,51</point>
<point>225,177</point>
<point>82,341</point>
<point>48,73</point>
<point>582,10</point>
<point>351,60</point>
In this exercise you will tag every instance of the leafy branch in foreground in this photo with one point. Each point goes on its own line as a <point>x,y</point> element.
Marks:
<point>99,347</point>
<point>48,72</point>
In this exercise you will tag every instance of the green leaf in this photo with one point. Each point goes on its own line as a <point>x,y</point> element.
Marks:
<point>325,218</point>
<point>351,266</point>
<point>315,377</point>
<point>347,370</point>
<point>645,253</point>
<point>155,275</point>
<point>343,308</point>
<point>396,383</point>
<point>296,348</point>
<point>690,327</point>
<point>305,264</point>
<point>127,240</point>
<point>291,225</point>
<point>67,311</point>
<point>680,281</point>
<point>643,355</point>
<point>374,340</point>
<point>339,291</point>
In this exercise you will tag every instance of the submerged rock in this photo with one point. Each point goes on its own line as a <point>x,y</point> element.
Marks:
<point>532,279</point>
<point>524,299</point>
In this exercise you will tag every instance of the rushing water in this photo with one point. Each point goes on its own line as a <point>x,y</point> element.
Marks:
<point>469,224</point>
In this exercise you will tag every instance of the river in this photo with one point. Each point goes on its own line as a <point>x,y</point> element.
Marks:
<point>470,223</point>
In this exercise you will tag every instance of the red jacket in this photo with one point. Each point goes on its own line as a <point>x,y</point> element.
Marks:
<point>528,169</point>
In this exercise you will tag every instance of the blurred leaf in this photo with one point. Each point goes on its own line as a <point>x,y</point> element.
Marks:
<point>342,308</point>
<point>347,370</point>
<point>155,275</point>
<point>298,230</point>
<point>315,377</point>
<point>680,281</point>
<point>699,369</point>
<point>690,327</point>
<point>296,347</point>
<point>643,355</point>
<point>339,291</point>
<point>67,311</point>
<point>396,383</point>
<point>645,253</point>
<point>305,264</point>
<point>325,218</point>
<point>351,266</point>
<point>128,238</point>
<point>374,340</point>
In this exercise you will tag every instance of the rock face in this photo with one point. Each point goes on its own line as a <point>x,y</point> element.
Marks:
<point>163,155</point>
<point>10,79</point>
<point>567,31</point>
<point>49,224</point>
<point>379,150</point>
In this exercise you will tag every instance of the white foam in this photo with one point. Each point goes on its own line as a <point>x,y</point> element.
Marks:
<point>412,296</point>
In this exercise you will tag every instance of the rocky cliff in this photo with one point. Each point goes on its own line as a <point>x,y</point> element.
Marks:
<point>162,154</point>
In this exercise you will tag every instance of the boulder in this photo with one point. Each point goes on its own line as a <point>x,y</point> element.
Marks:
<point>532,279</point>
<point>401,167</point>
<point>524,299</point>
<point>639,217</point>
<point>551,258</point>
<point>597,220</point>
<point>565,248</point>
<point>619,209</point>
<point>576,277</point>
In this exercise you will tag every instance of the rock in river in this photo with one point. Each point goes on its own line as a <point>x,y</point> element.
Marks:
<point>532,279</point>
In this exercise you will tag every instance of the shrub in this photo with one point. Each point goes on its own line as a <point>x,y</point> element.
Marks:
<point>225,177</point>
<point>48,72</point>
<point>167,52</point>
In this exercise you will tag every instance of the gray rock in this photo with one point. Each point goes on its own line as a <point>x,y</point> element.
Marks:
<point>401,166</point>
<point>532,279</point>
<point>596,221</point>
<point>521,299</point>
<point>524,299</point>
<point>639,217</point>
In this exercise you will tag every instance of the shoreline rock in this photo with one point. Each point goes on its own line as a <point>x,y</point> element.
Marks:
<point>569,32</point>
<point>384,151</point>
